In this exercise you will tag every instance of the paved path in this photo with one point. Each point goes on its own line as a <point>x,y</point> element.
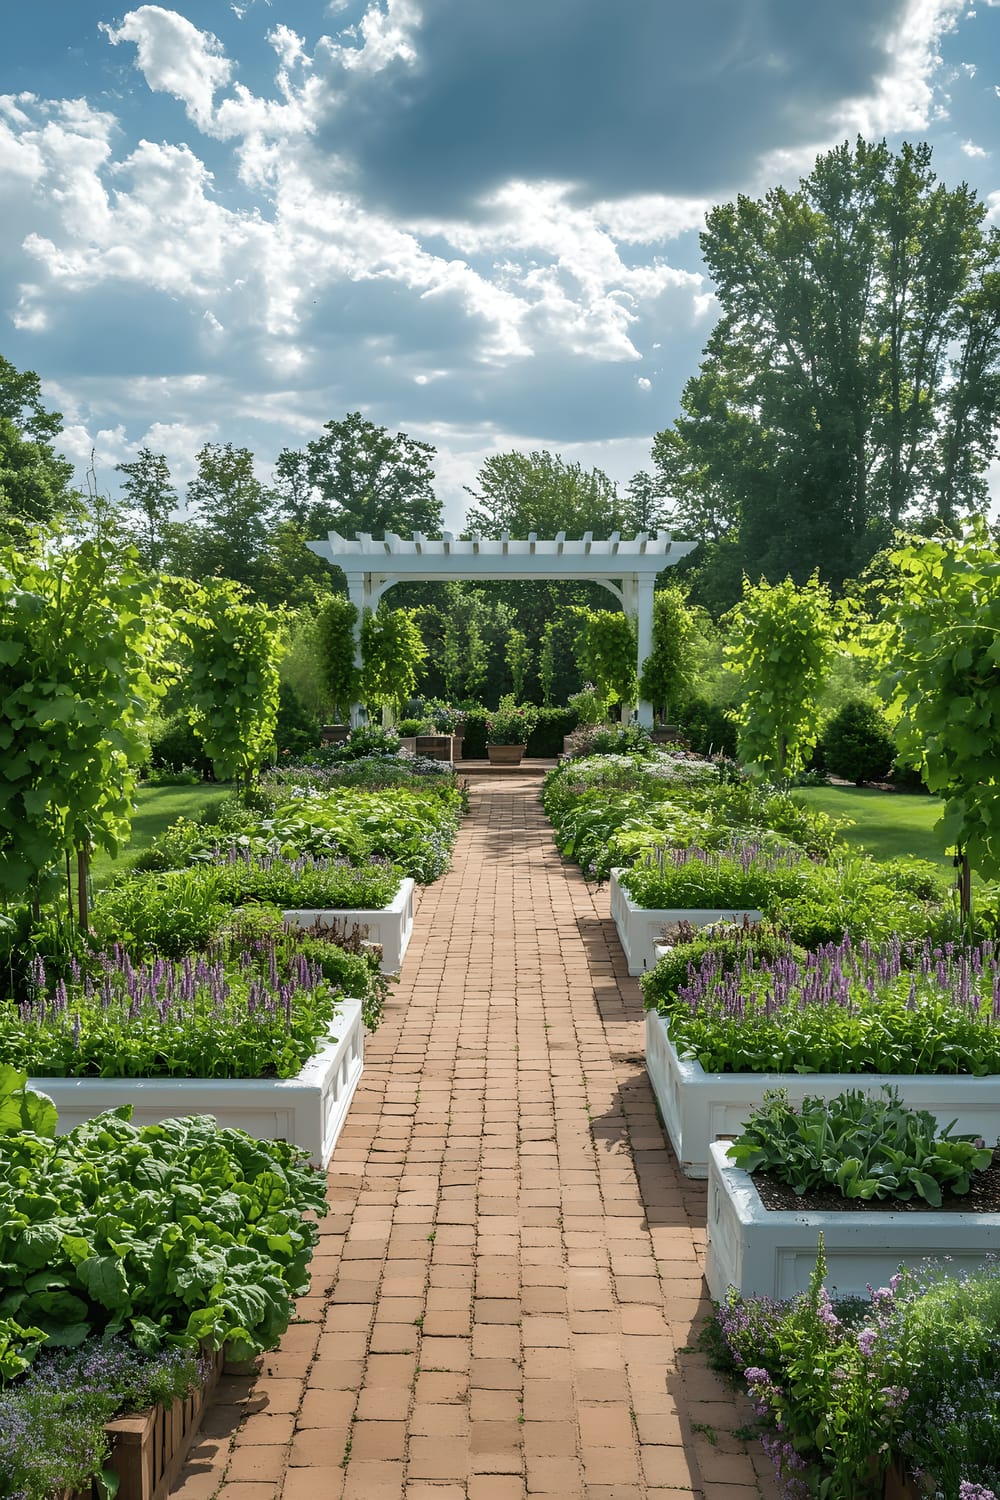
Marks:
<point>509,1280</point>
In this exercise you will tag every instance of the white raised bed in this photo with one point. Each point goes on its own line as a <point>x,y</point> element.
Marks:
<point>772,1254</point>
<point>640,926</point>
<point>699,1107</point>
<point>390,926</point>
<point>308,1110</point>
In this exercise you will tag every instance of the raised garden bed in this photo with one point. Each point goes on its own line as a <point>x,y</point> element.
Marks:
<point>639,927</point>
<point>766,1253</point>
<point>308,1110</point>
<point>698,1107</point>
<point>148,1448</point>
<point>390,926</point>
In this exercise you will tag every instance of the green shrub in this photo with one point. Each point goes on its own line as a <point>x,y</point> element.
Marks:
<point>298,730</point>
<point>706,727</point>
<point>857,743</point>
<point>175,747</point>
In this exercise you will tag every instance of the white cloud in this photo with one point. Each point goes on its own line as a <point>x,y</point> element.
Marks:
<point>971,149</point>
<point>175,57</point>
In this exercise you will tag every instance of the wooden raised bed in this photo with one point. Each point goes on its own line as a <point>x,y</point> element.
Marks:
<point>148,1449</point>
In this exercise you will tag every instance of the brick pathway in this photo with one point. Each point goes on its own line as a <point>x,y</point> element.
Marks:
<point>509,1280</point>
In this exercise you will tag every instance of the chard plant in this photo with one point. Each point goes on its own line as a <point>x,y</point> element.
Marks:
<point>858,1146</point>
<point>843,1008</point>
<point>255,1015</point>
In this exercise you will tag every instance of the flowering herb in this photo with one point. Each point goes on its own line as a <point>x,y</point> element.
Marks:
<point>842,1390</point>
<point>845,1008</point>
<point>52,1422</point>
<point>740,874</point>
<point>258,1012</point>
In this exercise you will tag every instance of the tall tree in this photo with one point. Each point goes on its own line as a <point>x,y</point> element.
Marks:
<point>149,496</point>
<point>541,492</point>
<point>359,477</point>
<point>852,380</point>
<point>35,482</point>
<point>233,514</point>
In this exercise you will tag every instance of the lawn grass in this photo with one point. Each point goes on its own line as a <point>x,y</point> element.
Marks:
<point>156,808</point>
<point>886,824</point>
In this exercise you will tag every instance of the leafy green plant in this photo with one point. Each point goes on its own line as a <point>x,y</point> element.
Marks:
<point>22,1108</point>
<point>79,632</point>
<point>336,623</point>
<point>305,882</point>
<point>176,1233</point>
<point>667,671</point>
<point>232,682</point>
<point>170,913</point>
<point>859,1146</point>
<point>607,651</point>
<point>941,659</point>
<point>392,654</point>
<point>365,739</point>
<point>781,642</point>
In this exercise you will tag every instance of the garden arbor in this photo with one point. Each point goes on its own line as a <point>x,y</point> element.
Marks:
<point>626,566</point>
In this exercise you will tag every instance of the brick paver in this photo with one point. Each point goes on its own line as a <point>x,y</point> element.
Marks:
<point>508,1284</point>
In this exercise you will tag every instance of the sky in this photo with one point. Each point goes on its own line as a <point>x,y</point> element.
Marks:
<point>475,221</point>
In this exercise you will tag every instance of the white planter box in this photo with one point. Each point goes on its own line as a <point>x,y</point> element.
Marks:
<point>390,926</point>
<point>699,1107</point>
<point>308,1110</point>
<point>640,926</point>
<point>769,1254</point>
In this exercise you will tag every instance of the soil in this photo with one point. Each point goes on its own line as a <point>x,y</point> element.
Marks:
<point>983,1197</point>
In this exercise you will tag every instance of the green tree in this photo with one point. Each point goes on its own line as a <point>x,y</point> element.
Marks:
<point>942,674</point>
<point>150,497</point>
<point>666,675</point>
<point>540,492</point>
<point>782,639</point>
<point>35,482</point>
<point>335,625</point>
<point>392,654</point>
<point>851,381</point>
<point>231,519</point>
<point>606,650</point>
<point>232,679</point>
<point>359,477</point>
<point>80,631</point>
<point>519,657</point>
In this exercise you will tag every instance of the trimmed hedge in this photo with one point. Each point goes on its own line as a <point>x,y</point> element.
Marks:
<point>546,739</point>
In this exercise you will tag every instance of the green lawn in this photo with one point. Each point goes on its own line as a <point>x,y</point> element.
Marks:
<point>157,807</point>
<point>886,824</point>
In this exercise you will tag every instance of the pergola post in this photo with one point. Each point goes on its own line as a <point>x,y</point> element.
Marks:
<point>644,631</point>
<point>358,593</point>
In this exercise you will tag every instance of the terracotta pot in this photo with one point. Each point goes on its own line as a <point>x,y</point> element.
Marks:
<point>505,755</point>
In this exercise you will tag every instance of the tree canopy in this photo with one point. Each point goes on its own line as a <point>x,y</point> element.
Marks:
<point>851,382</point>
<point>35,482</point>
<point>359,477</point>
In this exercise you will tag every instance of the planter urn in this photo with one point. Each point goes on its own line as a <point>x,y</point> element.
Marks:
<point>505,755</point>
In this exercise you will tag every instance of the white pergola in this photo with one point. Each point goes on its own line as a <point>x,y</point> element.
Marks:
<point>627,566</point>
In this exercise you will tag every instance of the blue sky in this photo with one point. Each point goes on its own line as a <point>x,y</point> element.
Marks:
<point>473,220</point>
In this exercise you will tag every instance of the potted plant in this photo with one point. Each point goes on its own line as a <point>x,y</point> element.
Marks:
<point>507,731</point>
